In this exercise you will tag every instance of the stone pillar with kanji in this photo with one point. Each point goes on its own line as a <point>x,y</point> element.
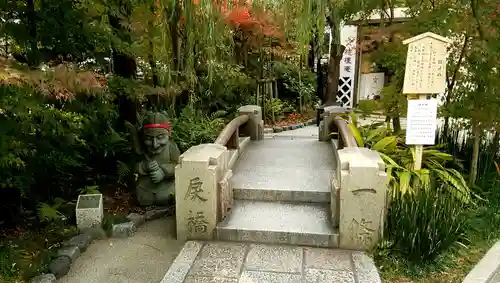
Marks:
<point>362,198</point>
<point>197,178</point>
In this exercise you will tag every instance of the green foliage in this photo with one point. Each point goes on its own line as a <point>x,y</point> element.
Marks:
<point>273,108</point>
<point>28,253</point>
<point>424,224</point>
<point>400,160</point>
<point>9,268</point>
<point>225,88</point>
<point>295,85</point>
<point>50,213</point>
<point>51,149</point>
<point>368,107</point>
<point>193,127</point>
<point>90,190</point>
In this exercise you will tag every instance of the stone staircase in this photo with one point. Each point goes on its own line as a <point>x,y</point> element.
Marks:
<point>282,188</point>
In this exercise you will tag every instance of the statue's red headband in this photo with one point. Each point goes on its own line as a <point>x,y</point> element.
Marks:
<point>164,126</point>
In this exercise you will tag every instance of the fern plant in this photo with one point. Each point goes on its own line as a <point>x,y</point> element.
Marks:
<point>50,213</point>
<point>400,159</point>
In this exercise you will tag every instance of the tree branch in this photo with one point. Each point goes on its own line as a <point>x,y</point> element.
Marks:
<point>474,6</point>
<point>457,67</point>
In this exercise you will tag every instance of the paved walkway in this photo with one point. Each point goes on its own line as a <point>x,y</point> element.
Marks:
<point>143,258</point>
<point>223,262</point>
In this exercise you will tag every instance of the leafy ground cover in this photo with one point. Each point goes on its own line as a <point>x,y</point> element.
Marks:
<point>26,250</point>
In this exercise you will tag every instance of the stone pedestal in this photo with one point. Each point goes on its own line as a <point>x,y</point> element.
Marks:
<point>197,178</point>
<point>89,211</point>
<point>329,114</point>
<point>362,198</point>
<point>254,128</point>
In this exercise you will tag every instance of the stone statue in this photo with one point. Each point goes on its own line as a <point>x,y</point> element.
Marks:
<point>156,169</point>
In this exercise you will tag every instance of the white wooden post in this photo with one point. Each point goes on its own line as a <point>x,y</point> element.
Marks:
<point>425,74</point>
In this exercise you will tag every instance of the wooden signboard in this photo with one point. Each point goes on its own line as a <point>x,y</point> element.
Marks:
<point>425,70</point>
<point>425,74</point>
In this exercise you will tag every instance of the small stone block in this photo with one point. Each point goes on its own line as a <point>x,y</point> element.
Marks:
<point>274,258</point>
<point>123,230</point>
<point>271,277</point>
<point>320,275</point>
<point>268,130</point>
<point>71,252</point>
<point>89,211</point>
<point>81,241</point>
<point>137,218</point>
<point>60,266</point>
<point>310,122</point>
<point>156,213</point>
<point>278,129</point>
<point>44,278</point>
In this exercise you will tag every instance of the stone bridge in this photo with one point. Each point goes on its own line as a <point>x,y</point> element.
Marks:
<point>319,190</point>
<point>288,207</point>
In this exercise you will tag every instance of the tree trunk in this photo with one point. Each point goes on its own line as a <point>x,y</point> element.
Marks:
<point>151,56</point>
<point>495,145</point>
<point>31,17</point>
<point>124,66</point>
<point>451,85</point>
<point>476,132</point>
<point>333,74</point>
<point>396,123</point>
<point>174,34</point>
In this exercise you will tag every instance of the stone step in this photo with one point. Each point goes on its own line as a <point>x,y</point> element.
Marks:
<point>284,169</point>
<point>304,224</point>
<point>311,195</point>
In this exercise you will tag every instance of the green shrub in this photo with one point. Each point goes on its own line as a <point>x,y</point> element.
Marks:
<point>294,83</point>
<point>51,148</point>
<point>226,88</point>
<point>400,159</point>
<point>424,224</point>
<point>425,213</point>
<point>273,109</point>
<point>194,127</point>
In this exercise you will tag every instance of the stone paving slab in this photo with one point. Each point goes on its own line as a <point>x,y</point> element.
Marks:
<point>229,262</point>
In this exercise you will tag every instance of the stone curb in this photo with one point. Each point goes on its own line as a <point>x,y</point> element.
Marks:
<point>182,263</point>
<point>75,246</point>
<point>128,229</point>
<point>279,129</point>
<point>485,269</point>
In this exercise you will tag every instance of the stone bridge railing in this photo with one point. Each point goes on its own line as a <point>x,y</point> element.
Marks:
<point>202,178</point>
<point>359,185</point>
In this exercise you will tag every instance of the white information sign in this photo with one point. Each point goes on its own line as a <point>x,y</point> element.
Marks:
<point>425,70</point>
<point>421,122</point>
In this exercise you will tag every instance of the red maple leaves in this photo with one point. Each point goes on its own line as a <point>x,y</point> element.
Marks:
<point>240,16</point>
<point>257,23</point>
